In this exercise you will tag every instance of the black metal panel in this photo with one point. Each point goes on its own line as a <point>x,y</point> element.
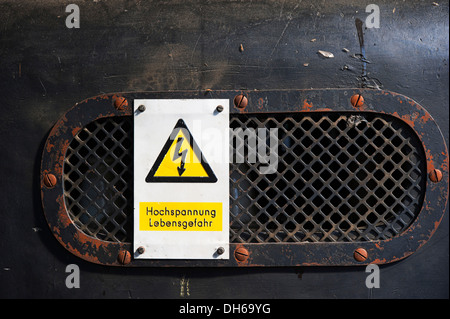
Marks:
<point>380,202</point>
<point>136,46</point>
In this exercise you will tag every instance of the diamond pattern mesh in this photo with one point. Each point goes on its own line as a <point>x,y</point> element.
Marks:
<point>340,177</point>
<point>98,179</point>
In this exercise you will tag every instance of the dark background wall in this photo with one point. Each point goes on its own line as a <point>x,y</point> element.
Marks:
<point>45,68</point>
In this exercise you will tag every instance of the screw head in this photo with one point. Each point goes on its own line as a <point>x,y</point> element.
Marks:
<point>357,100</point>
<point>435,175</point>
<point>124,257</point>
<point>360,254</point>
<point>240,101</point>
<point>141,108</point>
<point>241,254</point>
<point>49,180</point>
<point>141,250</point>
<point>120,103</point>
<point>219,108</point>
<point>220,250</point>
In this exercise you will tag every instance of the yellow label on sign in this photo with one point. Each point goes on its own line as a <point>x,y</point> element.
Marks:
<point>160,216</point>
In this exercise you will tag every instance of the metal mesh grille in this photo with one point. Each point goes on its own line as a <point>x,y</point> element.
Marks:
<point>340,177</point>
<point>98,179</point>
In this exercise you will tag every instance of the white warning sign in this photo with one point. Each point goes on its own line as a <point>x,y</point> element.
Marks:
<point>181,179</point>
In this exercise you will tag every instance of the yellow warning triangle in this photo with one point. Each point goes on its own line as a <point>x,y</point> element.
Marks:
<point>180,160</point>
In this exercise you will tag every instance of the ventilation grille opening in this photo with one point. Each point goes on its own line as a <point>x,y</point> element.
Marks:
<point>98,179</point>
<point>341,177</point>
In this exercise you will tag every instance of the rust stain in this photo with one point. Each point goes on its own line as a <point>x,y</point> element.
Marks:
<point>430,162</point>
<point>444,165</point>
<point>101,97</point>
<point>410,119</point>
<point>379,261</point>
<point>58,169</point>
<point>57,233</point>
<point>307,106</point>
<point>242,110</point>
<point>57,130</point>
<point>310,264</point>
<point>59,161</point>
<point>260,103</point>
<point>59,126</point>
<point>416,119</point>
<point>44,172</point>
<point>75,131</point>
<point>425,118</point>
<point>83,241</point>
<point>63,218</point>
<point>324,110</point>
<point>49,146</point>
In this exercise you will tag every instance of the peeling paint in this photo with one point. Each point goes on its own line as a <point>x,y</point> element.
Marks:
<point>306,106</point>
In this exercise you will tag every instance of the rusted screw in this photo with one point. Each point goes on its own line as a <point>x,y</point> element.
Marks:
<point>120,103</point>
<point>241,254</point>
<point>141,250</point>
<point>220,250</point>
<point>124,257</point>
<point>49,180</point>
<point>357,100</point>
<point>360,254</point>
<point>240,101</point>
<point>435,175</point>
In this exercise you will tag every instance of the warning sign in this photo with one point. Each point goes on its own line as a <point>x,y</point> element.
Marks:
<point>181,179</point>
<point>181,160</point>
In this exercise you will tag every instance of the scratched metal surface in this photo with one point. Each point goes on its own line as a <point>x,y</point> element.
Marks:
<point>181,45</point>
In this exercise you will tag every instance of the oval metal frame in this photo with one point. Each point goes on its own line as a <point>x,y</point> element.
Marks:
<point>265,255</point>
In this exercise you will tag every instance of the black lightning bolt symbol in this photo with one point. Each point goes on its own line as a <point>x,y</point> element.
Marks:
<point>178,154</point>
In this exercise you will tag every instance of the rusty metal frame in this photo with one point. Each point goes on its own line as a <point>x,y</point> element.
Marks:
<point>277,254</point>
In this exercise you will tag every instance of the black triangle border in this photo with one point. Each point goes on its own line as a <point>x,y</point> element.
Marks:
<point>151,178</point>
